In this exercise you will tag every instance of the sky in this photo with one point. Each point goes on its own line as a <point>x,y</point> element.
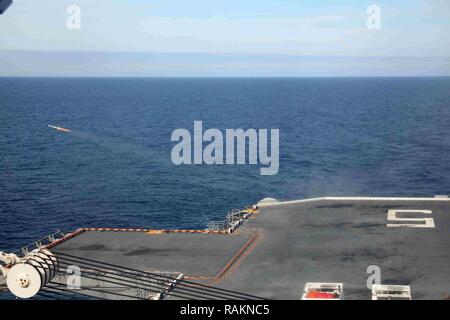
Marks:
<point>226,38</point>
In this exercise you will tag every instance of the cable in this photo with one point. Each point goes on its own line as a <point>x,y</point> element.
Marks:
<point>127,278</point>
<point>104,292</point>
<point>133,286</point>
<point>128,283</point>
<point>56,293</point>
<point>160,287</point>
<point>71,292</point>
<point>184,288</point>
<point>149,274</point>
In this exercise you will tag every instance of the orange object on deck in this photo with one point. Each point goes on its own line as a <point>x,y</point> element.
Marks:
<point>321,295</point>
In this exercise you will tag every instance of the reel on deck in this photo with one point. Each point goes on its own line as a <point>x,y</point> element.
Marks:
<point>26,278</point>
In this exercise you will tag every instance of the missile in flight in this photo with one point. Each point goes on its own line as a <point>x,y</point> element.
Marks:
<point>59,128</point>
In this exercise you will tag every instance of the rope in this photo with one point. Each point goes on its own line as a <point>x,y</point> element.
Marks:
<point>180,283</point>
<point>141,280</point>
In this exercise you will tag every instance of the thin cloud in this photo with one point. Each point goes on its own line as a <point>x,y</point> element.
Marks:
<point>250,14</point>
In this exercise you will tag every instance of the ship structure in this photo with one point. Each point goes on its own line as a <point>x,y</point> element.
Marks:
<point>322,248</point>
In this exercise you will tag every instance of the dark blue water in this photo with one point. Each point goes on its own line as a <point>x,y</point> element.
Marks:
<point>384,137</point>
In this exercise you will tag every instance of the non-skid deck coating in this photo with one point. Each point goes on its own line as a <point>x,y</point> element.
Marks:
<point>295,243</point>
<point>195,255</point>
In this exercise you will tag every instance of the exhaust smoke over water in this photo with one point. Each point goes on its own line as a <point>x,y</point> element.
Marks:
<point>338,136</point>
<point>115,145</point>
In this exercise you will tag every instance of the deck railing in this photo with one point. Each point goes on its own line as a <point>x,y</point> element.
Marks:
<point>39,243</point>
<point>233,219</point>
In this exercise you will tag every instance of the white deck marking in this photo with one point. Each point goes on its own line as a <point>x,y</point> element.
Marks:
<point>282,203</point>
<point>392,216</point>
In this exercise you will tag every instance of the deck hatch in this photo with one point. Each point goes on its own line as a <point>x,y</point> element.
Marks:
<point>323,291</point>
<point>391,292</point>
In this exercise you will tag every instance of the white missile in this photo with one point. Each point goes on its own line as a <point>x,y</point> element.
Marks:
<point>59,128</point>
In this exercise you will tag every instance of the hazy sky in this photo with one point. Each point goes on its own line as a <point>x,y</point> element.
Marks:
<point>226,37</point>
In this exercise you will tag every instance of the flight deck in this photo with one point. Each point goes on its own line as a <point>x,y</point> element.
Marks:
<point>325,248</point>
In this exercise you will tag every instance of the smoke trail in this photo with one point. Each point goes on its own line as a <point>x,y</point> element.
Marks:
<point>121,147</point>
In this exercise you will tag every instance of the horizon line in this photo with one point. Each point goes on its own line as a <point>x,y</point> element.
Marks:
<point>220,77</point>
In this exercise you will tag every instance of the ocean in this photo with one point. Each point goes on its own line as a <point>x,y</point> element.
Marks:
<point>338,136</point>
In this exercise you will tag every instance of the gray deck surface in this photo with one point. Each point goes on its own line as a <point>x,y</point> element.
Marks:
<point>323,241</point>
<point>195,255</point>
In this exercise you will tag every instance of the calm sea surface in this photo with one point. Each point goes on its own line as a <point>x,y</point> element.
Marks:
<point>348,136</point>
